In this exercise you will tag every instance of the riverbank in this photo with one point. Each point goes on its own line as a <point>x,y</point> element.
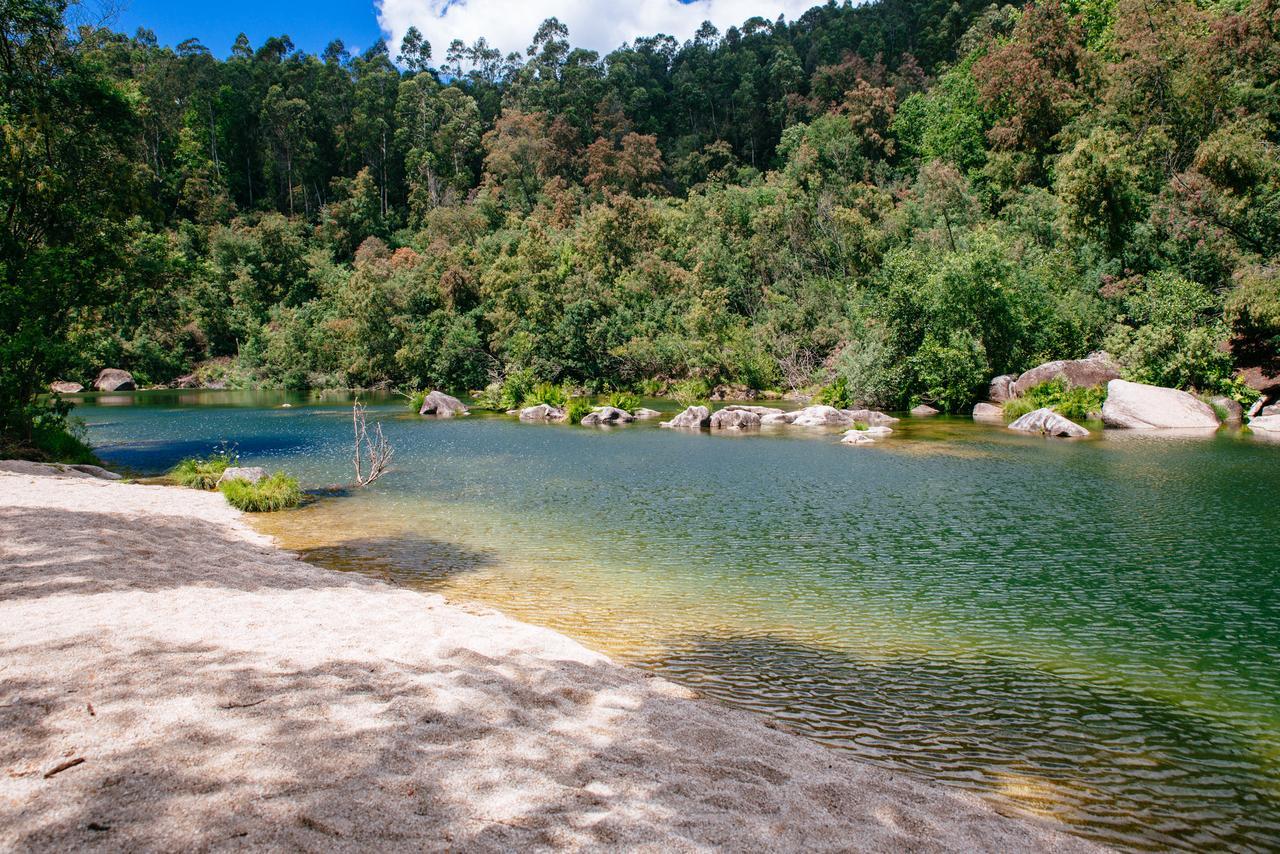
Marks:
<point>214,691</point>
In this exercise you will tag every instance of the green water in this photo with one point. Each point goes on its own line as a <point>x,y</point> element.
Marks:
<point>1088,631</point>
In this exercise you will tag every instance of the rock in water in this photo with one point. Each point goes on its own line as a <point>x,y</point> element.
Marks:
<point>643,414</point>
<point>441,405</point>
<point>1266,423</point>
<point>923,411</point>
<point>114,379</point>
<point>252,474</point>
<point>693,418</point>
<point>1095,370</point>
<point>869,416</point>
<point>780,418</point>
<point>1000,389</point>
<point>735,418</point>
<point>63,387</point>
<point>1049,423</point>
<point>607,415</point>
<point>857,437</point>
<point>1146,407</point>
<point>988,412</point>
<point>1235,412</point>
<point>878,430</point>
<point>762,411</point>
<point>821,416</point>
<point>541,412</point>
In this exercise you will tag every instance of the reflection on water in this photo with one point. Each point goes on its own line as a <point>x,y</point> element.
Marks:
<point>1085,630</point>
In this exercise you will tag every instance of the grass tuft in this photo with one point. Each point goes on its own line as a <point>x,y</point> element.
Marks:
<point>624,400</point>
<point>1074,402</point>
<point>577,409</point>
<point>277,492</point>
<point>199,473</point>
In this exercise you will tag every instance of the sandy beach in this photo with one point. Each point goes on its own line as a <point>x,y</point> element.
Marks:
<point>169,679</point>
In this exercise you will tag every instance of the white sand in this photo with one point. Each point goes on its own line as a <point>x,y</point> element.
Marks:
<point>223,694</point>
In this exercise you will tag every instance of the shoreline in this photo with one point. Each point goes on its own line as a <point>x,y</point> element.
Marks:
<point>222,693</point>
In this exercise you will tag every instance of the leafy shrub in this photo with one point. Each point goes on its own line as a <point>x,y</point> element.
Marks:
<point>577,409</point>
<point>198,473</point>
<point>836,394</point>
<point>652,387</point>
<point>277,492</point>
<point>623,400</point>
<point>690,392</point>
<point>1074,402</point>
<point>548,393</point>
<point>950,371</point>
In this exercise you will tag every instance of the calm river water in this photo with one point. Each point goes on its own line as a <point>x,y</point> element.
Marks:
<point>1087,630</point>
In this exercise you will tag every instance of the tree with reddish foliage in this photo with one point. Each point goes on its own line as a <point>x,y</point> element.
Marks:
<point>633,165</point>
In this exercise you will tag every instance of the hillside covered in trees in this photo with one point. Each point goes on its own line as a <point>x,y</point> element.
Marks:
<point>902,199</point>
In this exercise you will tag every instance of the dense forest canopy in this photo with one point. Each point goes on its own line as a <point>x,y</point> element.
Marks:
<point>898,200</point>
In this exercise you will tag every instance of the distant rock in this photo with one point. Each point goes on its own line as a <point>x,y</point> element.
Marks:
<point>693,418</point>
<point>607,415</point>
<point>988,412</point>
<point>923,411</point>
<point>821,416</point>
<point>777,419</point>
<point>856,437</point>
<point>869,416</point>
<point>1000,389</point>
<point>1146,407</point>
<point>114,379</point>
<point>1048,423</point>
<point>1235,412</point>
<point>1095,370</point>
<point>762,411</point>
<point>733,392</point>
<point>643,414</point>
<point>735,419</point>
<point>63,387</point>
<point>1266,423</point>
<point>252,474</point>
<point>186,381</point>
<point>441,405</point>
<point>542,412</point>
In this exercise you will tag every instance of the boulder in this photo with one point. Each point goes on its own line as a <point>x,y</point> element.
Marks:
<point>923,411</point>
<point>733,392</point>
<point>186,381</point>
<point>821,416</point>
<point>734,419</point>
<point>252,474</point>
<point>1095,370</point>
<point>643,414</point>
<point>541,412</point>
<point>1146,407</point>
<point>1266,423</point>
<point>857,437</point>
<point>1000,389</point>
<point>114,379</point>
<point>878,430</point>
<point>63,387</point>
<point>776,419</point>
<point>762,411</point>
<point>869,416</point>
<point>1048,423</point>
<point>441,405</point>
<point>95,471</point>
<point>607,415</point>
<point>693,418</point>
<point>1235,412</point>
<point>1273,409</point>
<point>988,412</point>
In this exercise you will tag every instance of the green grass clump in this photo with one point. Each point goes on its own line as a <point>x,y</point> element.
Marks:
<point>652,387</point>
<point>577,409</point>
<point>623,400</point>
<point>691,392</point>
<point>203,473</point>
<point>277,492</point>
<point>861,425</point>
<point>548,393</point>
<point>1074,402</point>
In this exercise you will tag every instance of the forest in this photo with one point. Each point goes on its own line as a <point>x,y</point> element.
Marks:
<point>890,202</point>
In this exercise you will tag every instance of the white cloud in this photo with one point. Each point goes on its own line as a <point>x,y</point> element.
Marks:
<point>509,24</point>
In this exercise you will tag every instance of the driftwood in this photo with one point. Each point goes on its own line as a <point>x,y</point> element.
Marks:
<point>63,766</point>
<point>373,454</point>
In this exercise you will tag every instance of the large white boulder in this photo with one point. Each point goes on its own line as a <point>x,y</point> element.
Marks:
<point>693,418</point>
<point>542,412</point>
<point>251,474</point>
<point>1095,370</point>
<point>603,415</point>
<point>1147,407</point>
<point>821,416</point>
<point>734,418</point>
<point>114,379</point>
<point>1266,423</point>
<point>988,412</point>
<point>1046,422</point>
<point>441,405</point>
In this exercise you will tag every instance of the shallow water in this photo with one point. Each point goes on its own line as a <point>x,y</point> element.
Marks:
<point>1086,630</point>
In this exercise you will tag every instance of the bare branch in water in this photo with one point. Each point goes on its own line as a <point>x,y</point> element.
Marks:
<point>372,455</point>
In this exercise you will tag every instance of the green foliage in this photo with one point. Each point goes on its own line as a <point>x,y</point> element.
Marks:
<point>203,473</point>
<point>576,409</point>
<point>623,400</point>
<point>551,394</point>
<point>1075,402</point>
<point>277,492</point>
<point>835,394</point>
<point>690,392</point>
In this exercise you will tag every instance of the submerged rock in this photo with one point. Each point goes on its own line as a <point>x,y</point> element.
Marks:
<point>734,419</point>
<point>607,415</point>
<point>923,411</point>
<point>252,474</point>
<point>988,412</point>
<point>63,387</point>
<point>1095,370</point>
<point>441,405</point>
<point>1049,423</point>
<point>643,414</point>
<point>693,418</point>
<point>1000,389</point>
<point>856,437</point>
<point>114,379</point>
<point>878,430</point>
<point>1147,407</point>
<point>869,416</point>
<point>542,412</point>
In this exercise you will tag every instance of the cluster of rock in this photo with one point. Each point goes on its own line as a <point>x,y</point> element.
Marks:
<point>600,416</point>
<point>441,405</point>
<point>740,417</point>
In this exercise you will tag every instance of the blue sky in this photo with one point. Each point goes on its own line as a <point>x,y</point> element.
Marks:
<point>311,24</point>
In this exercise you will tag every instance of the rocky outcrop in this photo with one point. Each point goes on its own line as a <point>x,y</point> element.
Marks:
<point>821,416</point>
<point>1147,407</point>
<point>1048,423</point>
<point>441,405</point>
<point>607,415</point>
<point>1266,423</point>
<point>762,411</point>
<point>735,419</point>
<point>693,418</point>
<point>114,379</point>
<point>988,412</point>
<point>643,414</point>
<point>542,412</point>
<point>777,419</point>
<point>1273,409</point>
<point>81,470</point>
<point>1095,370</point>
<point>923,411</point>
<point>1000,389</point>
<point>1234,411</point>
<point>63,387</point>
<point>869,416</point>
<point>252,474</point>
<point>856,437</point>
